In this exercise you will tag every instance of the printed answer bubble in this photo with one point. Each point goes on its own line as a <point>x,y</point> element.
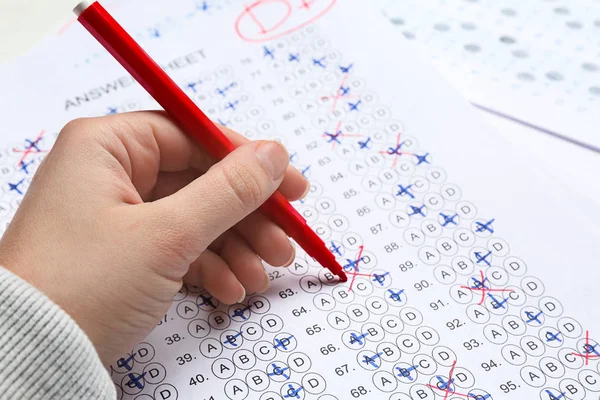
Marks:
<point>154,373</point>
<point>257,381</point>
<point>223,368</point>
<point>167,392</point>
<point>384,381</point>
<point>236,389</point>
<point>552,368</point>
<point>244,359</point>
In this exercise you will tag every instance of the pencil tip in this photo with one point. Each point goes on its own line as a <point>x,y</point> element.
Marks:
<point>343,277</point>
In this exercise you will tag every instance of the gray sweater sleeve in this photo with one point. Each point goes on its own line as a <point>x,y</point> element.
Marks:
<point>43,353</point>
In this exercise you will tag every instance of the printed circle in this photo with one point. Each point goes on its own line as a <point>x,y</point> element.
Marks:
<point>168,391</point>
<point>154,373</point>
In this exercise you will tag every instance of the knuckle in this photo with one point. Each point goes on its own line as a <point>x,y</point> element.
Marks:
<point>246,188</point>
<point>74,128</point>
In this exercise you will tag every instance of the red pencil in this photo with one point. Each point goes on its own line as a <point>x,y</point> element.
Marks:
<point>193,121</point>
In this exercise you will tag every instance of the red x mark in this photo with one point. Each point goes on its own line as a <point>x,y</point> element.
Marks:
<point>395,151</point>
<point>333,137</point>
<point>589,349</point>
<point>31,149</point>
<point>483,289</point>
<point>339,94</point>
<point>354,271</point>
<point>447,391</point>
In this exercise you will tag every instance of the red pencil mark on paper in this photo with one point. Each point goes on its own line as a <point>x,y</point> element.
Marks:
<point>395,151</point>
<point>590,352</point>
<point>447,386</point>
<point>266,20</point>
<point>66,26</point>
<point>334,137</point>
<point>354,264</point>
<point>341,92</point>
<point>31,148</point>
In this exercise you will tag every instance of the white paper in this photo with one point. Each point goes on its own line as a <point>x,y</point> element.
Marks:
<point>532,61</point>
<point>416,300</point>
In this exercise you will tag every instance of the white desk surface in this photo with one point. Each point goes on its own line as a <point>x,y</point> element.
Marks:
<point>576,168</point>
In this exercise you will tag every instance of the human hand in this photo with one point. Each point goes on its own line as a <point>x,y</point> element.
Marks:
<point>126,207</point>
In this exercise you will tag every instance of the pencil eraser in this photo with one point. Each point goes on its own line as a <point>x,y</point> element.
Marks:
<point>82,6</point>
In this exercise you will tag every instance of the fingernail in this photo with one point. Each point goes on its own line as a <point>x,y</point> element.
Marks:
<point>266,285</point>
<point>274,158</point>
<point>292,256</point>
<point>243,294</point>
<point>305,191</point>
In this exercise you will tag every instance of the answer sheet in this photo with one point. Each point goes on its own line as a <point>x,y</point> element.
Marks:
<point>471,274</point>
<point>534,61</point>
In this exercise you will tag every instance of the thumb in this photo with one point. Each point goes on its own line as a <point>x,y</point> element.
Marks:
<point>223,196</point>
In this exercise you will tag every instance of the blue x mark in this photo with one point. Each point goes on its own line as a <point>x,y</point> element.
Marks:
<point>319,62</point>
<point>479,284</point>
<point>268,53</point>
<point>448,219</point>
<point>293,392</point>
<point>396,295</point>
<point>154,32</point>
<point>192,86</point>
<point>422,159</point>
<point>231,339</point>
<point>346,70</point>
<point>124,363</point>
<point>497,303</point>
<point>33,144</point>
<point>294,57</point>
<point>24,165</point>
<point>417,210</point>
<point>533,318</point>
<point>485,226</point>
<point>364,144</point>
<point>353,264</point>
<point>553,396</point>
<point>483,258</point>
<point>380,278</point>
<point>203,6</point>
<point>232,105</point>
<point>223,92</point>
<point>277,371</point>
<point>239,312</point>
<point>15,186</point>
<point>445,385</point>
<point>589,349</point>
<point>551,337</point>
<point>371,360</point>
<point>207,301</point>
<point>395,150</point>
<point>405,190</point>
<point>281,343</point>
<point>354,106</point>
<point>480,396</point>
<point>335,249</point>
<point>359,339</point>
<point>405,372</point>
<point>136,380</point>
<point>333,137</point>
<point>112,110</point>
